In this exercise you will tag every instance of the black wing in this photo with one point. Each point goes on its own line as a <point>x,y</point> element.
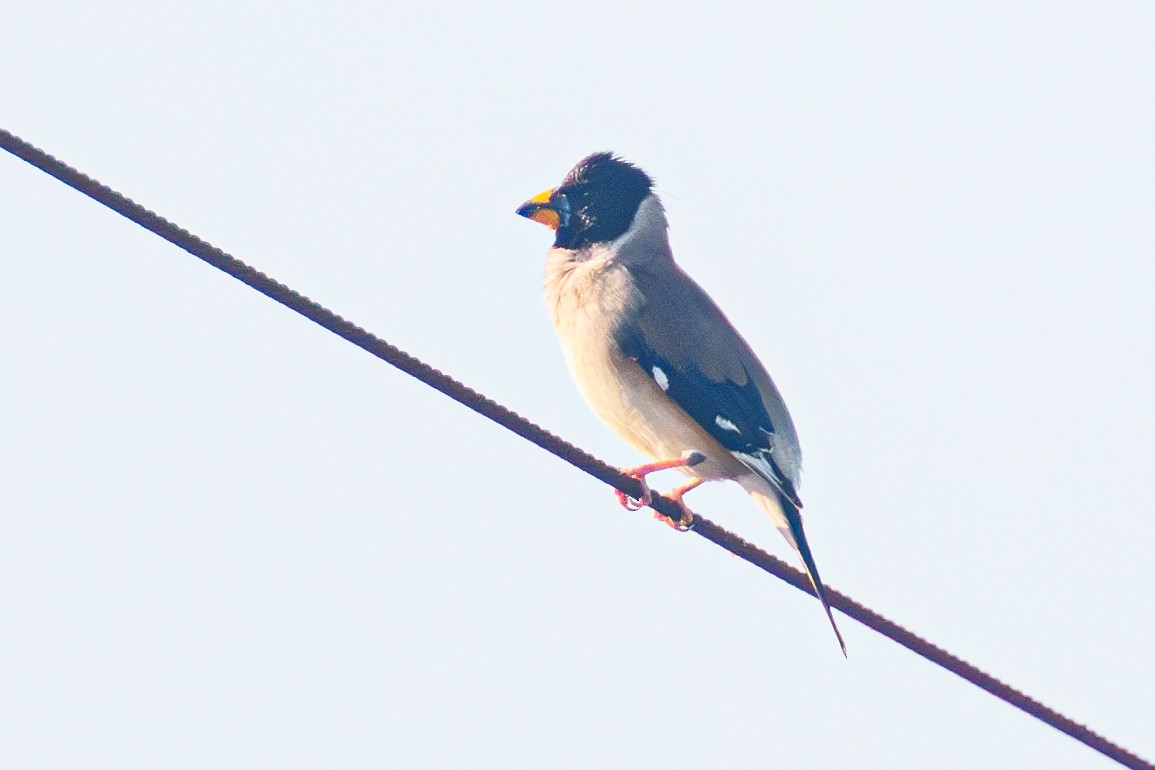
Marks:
<point>734,414</point>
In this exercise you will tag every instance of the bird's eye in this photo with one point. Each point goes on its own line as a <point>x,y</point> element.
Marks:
<point>560,203</point>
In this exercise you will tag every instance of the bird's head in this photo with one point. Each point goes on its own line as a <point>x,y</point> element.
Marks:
<point>595,203</point>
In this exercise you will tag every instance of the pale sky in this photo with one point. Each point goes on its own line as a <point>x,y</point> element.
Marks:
<point>229,539</point>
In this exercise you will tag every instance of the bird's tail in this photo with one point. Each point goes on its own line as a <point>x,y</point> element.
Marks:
<point>788,519</point>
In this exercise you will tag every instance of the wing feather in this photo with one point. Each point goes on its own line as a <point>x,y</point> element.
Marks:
<point>679,337</point>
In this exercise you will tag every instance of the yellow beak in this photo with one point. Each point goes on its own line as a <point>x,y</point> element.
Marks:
<point>538,209</point>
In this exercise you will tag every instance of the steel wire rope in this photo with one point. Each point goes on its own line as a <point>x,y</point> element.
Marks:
<point>577,457</point>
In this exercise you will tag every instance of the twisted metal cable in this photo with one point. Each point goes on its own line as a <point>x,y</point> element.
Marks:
<point>557,446</point>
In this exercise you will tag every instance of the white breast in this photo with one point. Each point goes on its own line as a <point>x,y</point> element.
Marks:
<point>587,298</point>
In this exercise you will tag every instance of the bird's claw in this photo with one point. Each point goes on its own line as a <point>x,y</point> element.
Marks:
<point>686,521</point>
<point>683,524</point>
<point>635,503</point>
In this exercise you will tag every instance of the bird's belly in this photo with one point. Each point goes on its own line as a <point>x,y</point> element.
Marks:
<point>633,405</point>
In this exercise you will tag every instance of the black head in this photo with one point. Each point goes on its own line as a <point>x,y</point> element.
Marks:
<point>595,203</point>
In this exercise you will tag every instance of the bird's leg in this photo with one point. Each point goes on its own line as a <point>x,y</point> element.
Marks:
<point>634,503</point>
<point>686,520</point>
<point>687,460</point>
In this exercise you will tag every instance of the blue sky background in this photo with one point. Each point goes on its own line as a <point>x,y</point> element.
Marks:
<point>230,540</point>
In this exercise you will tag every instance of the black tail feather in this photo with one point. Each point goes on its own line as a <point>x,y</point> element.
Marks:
<point>794,518</point>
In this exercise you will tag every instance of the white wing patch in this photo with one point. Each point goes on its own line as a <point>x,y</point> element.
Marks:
<point>661,378</point>
<point>760,464</point>
<point>725,424</point>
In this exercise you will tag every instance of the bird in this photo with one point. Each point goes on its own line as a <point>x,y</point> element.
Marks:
<point>655,357</point>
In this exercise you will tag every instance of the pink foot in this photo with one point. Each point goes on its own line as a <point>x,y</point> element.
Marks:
<point>686,521</point>
<point>640,472</point>
<point>634,503</point>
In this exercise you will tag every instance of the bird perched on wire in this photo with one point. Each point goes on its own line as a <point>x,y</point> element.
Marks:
<point>655,357</point>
